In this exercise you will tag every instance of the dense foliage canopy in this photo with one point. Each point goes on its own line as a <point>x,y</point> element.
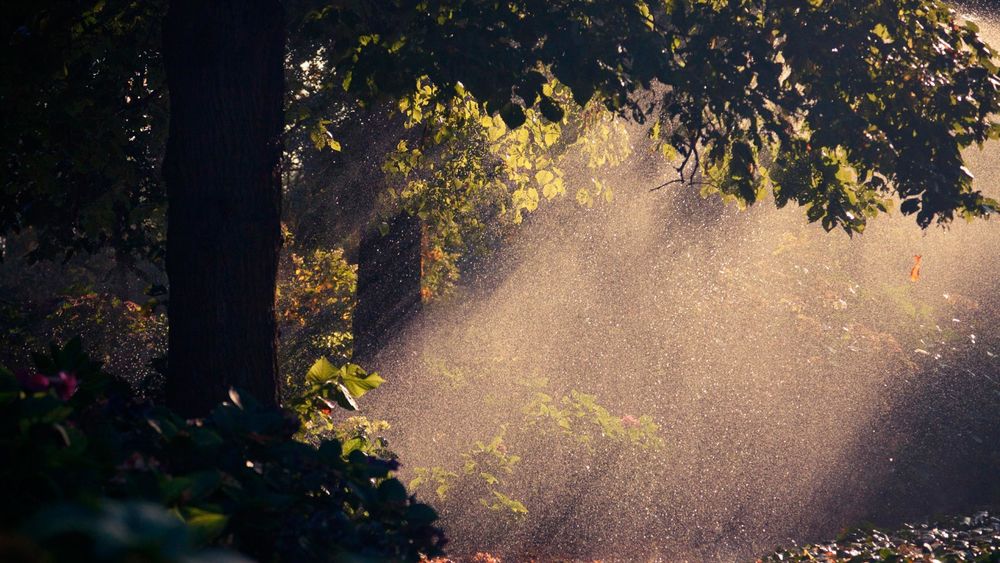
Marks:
<point>834,105</point>
<point>837,106</point>
<point>84,120</point>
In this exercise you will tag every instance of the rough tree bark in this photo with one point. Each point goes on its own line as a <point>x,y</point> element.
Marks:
<point>224,64</point>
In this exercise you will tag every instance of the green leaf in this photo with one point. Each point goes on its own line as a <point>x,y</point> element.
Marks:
<point>321,371</point>
<point>356,444</point>
<point>544,177</point>
<point>420,514</point>
<point>391,490</point>
<point>190,487</point>
<point>515,506</point>
<point>882,32</point>
<point>553,189</point>
<point>206,525</point>
<point>343,398</point>
<point>742,152</point>
<point>358,382</point>
<point>551,110</point>
<point>317,138</point>
<point>531,86</point>
<point>512,115</point>
<point>582,92</point>
<point>9,388</point>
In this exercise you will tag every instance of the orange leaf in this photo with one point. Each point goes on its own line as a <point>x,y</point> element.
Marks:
<point>915,270</point>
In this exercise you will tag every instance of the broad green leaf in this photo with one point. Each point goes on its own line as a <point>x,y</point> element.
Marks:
<point>358,382</point>
<point>342,396</point>
<point>322,370</point>
<point>357,444</point>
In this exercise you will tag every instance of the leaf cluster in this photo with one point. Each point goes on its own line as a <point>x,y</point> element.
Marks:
<point>887,92</point>
<point>315,305</point>
<point>852,103</point>
<point>472,178</point>
<point>328,387</point>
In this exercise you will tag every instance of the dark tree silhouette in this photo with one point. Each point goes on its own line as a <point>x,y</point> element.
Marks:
<point>224,64</point>
<point>388,283</point>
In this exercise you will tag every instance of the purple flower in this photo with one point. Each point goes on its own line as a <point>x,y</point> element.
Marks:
<point>32,381</point>
<point>66,385</point>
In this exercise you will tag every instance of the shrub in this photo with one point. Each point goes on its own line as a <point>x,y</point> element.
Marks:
<point>238,479</point>
<point>315,306</point>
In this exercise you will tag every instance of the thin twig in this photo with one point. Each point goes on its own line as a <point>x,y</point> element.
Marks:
<point>665,184</point>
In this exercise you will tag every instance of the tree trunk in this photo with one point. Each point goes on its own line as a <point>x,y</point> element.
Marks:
<point>388,284</point>
<point>225,72</point>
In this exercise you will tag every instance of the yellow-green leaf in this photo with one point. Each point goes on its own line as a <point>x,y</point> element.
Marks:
<point>322,370</point>
<point>544,177</point>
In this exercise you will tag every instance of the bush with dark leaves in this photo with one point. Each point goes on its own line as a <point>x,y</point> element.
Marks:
<point>74,443</point>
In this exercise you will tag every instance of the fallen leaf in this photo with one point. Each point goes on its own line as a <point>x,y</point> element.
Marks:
<point>915,270</point>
